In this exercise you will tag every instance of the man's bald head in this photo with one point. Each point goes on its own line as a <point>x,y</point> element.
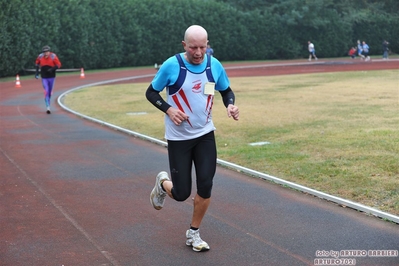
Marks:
<point>195,31</point>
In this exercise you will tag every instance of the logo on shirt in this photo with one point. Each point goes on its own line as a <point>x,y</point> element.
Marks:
<point>197,87</point>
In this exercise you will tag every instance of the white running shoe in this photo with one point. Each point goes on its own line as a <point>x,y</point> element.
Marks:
<point>157,196</point>
<point>48,110</point>
<point>194,240</point>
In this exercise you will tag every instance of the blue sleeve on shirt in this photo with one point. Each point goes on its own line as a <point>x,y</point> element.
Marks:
<point>219,74</point>
<point>167,74</point>
<point>169,71</point>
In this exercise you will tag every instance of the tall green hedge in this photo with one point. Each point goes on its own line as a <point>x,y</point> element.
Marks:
<point>97,34</point>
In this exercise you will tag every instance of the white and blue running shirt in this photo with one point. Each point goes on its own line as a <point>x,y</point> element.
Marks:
<point>189,97</point>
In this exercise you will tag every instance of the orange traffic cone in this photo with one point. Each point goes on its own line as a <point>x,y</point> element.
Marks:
<point>82,73</point>
<point>17,82</point>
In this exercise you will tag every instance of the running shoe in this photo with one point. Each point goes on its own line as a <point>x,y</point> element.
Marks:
<point>194,240</point>
<point>157,196</point>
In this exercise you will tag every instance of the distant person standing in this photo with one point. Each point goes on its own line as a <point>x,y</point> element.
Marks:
<point>48,63</point>
<point>312,51</point>
<point>360,49</point>
<point>209,50</point>
<point>385,49</point>
<point>366,50</point>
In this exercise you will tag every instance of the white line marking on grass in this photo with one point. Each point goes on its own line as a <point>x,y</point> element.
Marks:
<point>137,113</point>
<point>259,143</point>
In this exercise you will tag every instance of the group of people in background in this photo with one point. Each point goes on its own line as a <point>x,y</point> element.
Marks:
<point>362,50</point>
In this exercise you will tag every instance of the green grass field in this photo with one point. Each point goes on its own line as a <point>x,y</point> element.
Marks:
<point>333,132</point>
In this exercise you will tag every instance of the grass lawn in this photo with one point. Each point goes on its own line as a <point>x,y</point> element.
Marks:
<point>333,132</point>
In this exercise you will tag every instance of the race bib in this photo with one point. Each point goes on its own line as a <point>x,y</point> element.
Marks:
<point>209,88</point>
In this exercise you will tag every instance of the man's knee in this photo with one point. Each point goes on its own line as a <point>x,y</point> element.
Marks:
<point>205,190</point>
<point>180,196</point>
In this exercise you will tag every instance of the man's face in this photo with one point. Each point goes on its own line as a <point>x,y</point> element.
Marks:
<point>46,53</point>
<point>195,48</point>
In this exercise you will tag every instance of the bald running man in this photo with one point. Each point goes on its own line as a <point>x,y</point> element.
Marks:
<point>190,79</point>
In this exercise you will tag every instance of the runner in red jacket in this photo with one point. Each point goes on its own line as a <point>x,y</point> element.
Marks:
<point>48,63</point>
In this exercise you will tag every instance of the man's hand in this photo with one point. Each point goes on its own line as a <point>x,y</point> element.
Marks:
<point>232,111</point>
<point>176,116</point>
